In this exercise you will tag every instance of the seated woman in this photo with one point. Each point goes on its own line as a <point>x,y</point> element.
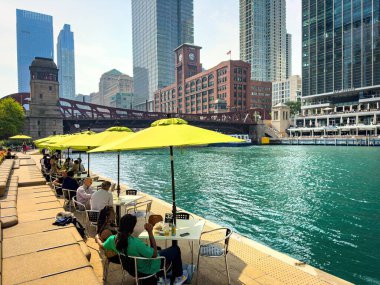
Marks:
<point>107,228</point>
<point>81,167</point>
<point>124,242</point>
<point>75,168</point>
<point>68,164</point>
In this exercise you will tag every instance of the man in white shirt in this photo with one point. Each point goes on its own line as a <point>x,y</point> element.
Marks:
<point>85,192</point>
<point>102,197</point>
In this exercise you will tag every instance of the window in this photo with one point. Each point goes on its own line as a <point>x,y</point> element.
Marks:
<point>40,96</point>
<point>50,88</point>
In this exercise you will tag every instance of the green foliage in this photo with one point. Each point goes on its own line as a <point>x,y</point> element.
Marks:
<point>295,107</point>
<point>11,118</point>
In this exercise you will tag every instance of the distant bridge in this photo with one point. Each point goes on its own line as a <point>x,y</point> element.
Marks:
<point>88,115</point>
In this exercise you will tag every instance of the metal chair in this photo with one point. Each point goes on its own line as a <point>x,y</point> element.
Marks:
<point>130,192</point>
<point>214,249</point>
<point>106,263</point>
<point>79,207</point>
<point>67,196</point>
<point>147,204</point>
<point>57,188</point>
<point>129,265</point>
<point>92,218</point>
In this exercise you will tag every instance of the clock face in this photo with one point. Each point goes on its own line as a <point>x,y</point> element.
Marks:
<point>191,56</point>
<point>180,57</point>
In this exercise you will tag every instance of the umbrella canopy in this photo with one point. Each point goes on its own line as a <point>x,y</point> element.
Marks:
<point>109,135</point>
<point>99,139</point>
<point>68,141</point>
<point>20,137</point>
<point>165,133</point>
<point>170,133</point>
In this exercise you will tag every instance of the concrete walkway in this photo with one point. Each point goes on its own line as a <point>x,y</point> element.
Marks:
<point>249,262</point>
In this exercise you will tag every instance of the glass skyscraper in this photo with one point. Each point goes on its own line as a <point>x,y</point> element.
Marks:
<point>340,68</point>
<point>340,46</point>
<point>66,63</point>
<point>34,39</point>
<point>158,27</point>
<point>263,38</point>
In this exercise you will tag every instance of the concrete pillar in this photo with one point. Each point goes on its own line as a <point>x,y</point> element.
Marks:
<point>377,105</point>
<point>328,121</point>
<point>357,131</point>
<point>357,119</point>
<point>304,122</point>
<point>350,107</point>
<point>316,121</point>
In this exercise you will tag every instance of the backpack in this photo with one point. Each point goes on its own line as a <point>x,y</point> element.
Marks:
<point>81,230</point>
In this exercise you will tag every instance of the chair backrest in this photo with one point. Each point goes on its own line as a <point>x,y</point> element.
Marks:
<point>154,219</point>
<point>129,264</point>
<point>68,194</point>
<point>93,216</point>
<point>130,192</point>
<point>183,216</point>
<point>78,206</point>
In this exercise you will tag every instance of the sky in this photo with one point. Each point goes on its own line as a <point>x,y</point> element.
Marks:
<point>103,35</point>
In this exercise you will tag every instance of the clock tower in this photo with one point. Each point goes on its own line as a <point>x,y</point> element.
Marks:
<point>187,62</point>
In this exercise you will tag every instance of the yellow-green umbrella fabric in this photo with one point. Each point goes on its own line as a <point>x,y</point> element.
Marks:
<point>99,139</point>
<point>96,140</point>
<point>20,137</point>
<point>170,133</point>
<point>51,141</point>
<point>165,133</point>
<point>71,141</point>
<point>39,141</point>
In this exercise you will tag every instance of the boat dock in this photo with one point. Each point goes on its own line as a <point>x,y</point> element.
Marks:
<point>33,251</point>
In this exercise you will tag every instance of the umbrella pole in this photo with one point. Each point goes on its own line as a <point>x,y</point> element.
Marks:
<point>118,174</point>
<point>174,210</point>
<point>88,164</point>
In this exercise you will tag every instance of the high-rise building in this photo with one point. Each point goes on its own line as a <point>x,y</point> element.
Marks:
<point>66,63</point>
<point>341,66</point>
<point>287,90</point>
<point>115,90</point>
<point>34,39</point>
<point>158,27</point>
<point>263,38</point>
<point>288,55</point>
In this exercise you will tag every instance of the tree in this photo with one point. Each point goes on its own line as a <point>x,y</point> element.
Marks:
<point>11,117</point>
<point>295,107</point>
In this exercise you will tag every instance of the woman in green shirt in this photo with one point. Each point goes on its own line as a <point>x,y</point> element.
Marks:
<point>131,246</point>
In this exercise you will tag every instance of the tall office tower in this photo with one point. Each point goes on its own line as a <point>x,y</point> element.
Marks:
<point>66,63</point>
<point>34,39</point>
<point>288,55</point>
<point>263,38</point>
<point>341,64</point>
<point>158,27</point>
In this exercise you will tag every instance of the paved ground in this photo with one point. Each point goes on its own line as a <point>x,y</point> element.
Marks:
<point>249,261</point>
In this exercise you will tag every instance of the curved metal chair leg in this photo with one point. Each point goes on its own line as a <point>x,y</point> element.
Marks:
<point>228,272</point>
<point>199,253</point>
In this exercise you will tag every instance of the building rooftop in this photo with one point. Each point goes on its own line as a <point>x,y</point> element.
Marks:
<point>43,62</point>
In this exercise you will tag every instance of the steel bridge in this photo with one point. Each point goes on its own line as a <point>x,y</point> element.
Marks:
<point>86,115</point>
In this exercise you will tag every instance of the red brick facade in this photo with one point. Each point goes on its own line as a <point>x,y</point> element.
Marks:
<point>223,88</point>
<point>262,98</point>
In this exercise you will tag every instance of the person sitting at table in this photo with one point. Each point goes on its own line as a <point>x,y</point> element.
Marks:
<point>54,169</point>
<point>107,228</point>
<point>69,182</point>
<point>58,183</point>
<point>75,168</point>
<point>85,192</point>
<point>9,154</point>
<point>81,167</point>
<point>102,197</point>
<point>67,164</point>
<point>124,242</point>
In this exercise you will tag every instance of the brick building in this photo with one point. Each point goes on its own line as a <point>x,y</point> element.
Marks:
<point>223,88</point>
<point>262,98</point>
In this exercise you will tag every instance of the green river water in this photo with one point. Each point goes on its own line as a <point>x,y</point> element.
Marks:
<point>318,204</point>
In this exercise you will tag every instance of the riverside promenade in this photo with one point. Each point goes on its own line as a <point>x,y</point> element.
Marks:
<point>249,262</point>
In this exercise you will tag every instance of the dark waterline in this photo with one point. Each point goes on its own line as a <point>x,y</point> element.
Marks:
<point>318,204</point>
